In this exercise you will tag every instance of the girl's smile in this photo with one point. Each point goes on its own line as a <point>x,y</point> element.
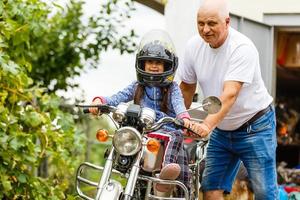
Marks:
<point>154,66</point>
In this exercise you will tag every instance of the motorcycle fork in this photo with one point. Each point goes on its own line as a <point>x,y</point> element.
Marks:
<point>200,157</point>
<point>106,173</point>
<point>133,176</point>
<point>197,178</point>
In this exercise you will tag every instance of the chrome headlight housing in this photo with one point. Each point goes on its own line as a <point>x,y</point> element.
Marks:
<point>148,116</point>
<point>119,114</point>
<point>127,141</point>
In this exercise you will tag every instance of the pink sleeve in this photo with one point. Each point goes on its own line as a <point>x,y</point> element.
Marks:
<point>184,115</point>
<point>101,99</point>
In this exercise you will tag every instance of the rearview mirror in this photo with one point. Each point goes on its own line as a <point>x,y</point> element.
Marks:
<point>211,104</point>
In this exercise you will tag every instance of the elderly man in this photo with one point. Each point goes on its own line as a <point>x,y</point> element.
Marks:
<point>225,63</point>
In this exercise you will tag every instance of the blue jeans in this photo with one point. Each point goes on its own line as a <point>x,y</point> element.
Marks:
<point>255,146</point>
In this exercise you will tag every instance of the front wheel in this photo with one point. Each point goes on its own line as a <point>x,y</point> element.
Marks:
<point>140,190</point>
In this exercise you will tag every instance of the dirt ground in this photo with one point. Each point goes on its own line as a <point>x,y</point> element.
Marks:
<point>240,191</point>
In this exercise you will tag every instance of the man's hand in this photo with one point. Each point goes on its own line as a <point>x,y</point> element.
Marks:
<point>202,129</point>
<point>187,124</point>
<point>95,110</point>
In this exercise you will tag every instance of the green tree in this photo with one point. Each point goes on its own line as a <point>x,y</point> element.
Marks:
<point>37,48</point>
<point>61,46</point>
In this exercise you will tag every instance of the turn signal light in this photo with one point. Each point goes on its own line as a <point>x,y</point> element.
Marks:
<point>102,135</point>
<point>153,145</point>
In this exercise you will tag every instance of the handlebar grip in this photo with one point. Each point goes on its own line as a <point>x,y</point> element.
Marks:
<point>179,123</point>
<point>86,110</point>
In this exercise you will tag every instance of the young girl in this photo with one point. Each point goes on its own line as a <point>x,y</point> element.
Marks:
<point>156,64</point>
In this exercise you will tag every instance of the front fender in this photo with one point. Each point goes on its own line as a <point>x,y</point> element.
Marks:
<point>112,190</point>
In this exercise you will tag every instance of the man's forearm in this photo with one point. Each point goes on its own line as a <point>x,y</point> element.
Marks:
<point>212,120</point>
<point>188,91</point>
<point>228,97</point>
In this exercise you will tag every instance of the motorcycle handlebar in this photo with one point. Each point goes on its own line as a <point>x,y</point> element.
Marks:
<point>167,120</point>
<point>179,124</point>
<point>103,108</point>
<point>86,110</point>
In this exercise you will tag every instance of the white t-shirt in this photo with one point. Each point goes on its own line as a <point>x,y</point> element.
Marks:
<point>236,60</point>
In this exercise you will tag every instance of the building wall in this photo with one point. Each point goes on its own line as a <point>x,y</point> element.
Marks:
<point>254,9</point>
<point>180,19</point>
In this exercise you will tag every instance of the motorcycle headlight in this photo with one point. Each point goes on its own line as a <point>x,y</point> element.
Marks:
<point>127,141</point>
<point>148,116</point>
<point>119,114</point>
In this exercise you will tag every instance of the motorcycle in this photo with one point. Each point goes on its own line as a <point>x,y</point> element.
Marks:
<point>137,157</point>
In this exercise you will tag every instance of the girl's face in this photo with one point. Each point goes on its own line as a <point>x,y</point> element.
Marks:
<point>154,66</point>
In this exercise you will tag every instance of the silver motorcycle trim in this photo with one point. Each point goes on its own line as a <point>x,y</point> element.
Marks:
<point>106,173</point>
<point>112,190</point>
<point>200,156</point>
<point>152,180</point>
<point>133,176</point>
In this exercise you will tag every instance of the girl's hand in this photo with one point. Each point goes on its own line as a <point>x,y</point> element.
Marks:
<point>95,110</point>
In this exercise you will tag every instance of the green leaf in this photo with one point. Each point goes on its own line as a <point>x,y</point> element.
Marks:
<point>33,119</point>
<point>3,96</point>
<point>22,178</point>
<point>30,158</point>
<point>5,183</point>
<point>57,5</point>
<point>15,143</point>
<point>22,35</point>
<point>1,8</point>
<point>11,67</point>
<point>3,140</point>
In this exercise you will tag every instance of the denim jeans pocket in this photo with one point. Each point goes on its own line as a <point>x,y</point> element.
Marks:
<point>263,123</point>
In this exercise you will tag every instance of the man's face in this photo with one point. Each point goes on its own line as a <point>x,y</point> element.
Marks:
<point>212,28</point>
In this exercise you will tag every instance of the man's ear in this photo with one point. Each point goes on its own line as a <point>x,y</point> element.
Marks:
<point>227,21</point>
